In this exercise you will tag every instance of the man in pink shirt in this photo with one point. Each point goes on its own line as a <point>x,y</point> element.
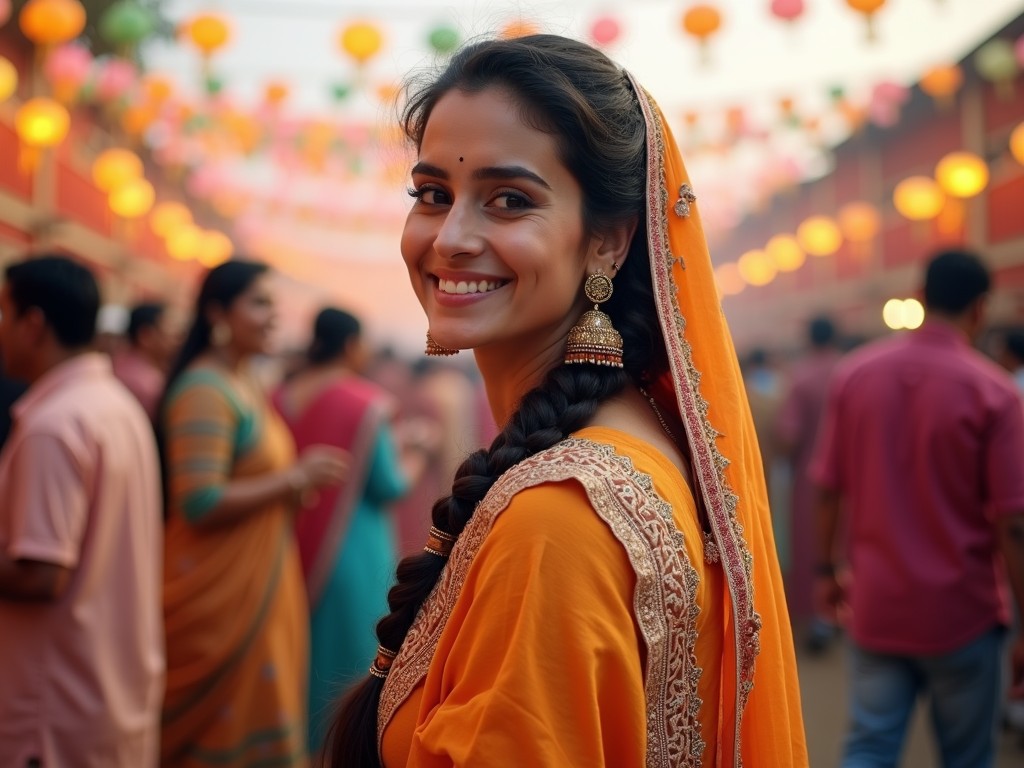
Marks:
<point>81,640</point>
<point>922,446</point>
<point>142,366</point>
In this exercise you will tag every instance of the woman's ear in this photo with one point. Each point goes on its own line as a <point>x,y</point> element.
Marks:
<point>610,246</point>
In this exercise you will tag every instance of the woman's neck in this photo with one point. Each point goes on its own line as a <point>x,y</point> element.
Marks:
<point>507,378</point>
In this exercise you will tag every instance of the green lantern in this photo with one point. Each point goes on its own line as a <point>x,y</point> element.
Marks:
<point>126,22</point>
<point>443,39</point>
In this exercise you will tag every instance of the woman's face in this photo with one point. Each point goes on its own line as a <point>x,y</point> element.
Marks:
<point>495,243</point>
<point>252,318</point>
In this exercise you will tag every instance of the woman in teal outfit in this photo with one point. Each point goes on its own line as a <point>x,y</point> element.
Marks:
<point>346,535</point>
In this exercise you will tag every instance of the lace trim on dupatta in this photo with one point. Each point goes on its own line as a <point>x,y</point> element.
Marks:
<point>709,463</point>
<point>664,600</point>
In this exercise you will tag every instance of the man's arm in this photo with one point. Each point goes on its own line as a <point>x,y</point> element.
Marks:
<point>1010,531</point>
<point>828,593</point>
<point>31,580</point>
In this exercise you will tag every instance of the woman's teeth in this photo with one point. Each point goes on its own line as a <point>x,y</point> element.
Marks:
<point>482,286</point>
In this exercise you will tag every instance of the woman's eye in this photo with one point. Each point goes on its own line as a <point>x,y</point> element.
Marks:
<point>430,196</point>
<point>512,200</point>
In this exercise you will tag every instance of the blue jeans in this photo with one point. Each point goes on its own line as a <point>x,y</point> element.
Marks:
<point>964,689</point>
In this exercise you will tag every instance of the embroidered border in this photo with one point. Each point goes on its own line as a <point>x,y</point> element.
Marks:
<point>709,463</point>
<point>664,600</point>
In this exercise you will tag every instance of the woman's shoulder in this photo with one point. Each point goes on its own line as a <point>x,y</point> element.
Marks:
<point>207,381</point>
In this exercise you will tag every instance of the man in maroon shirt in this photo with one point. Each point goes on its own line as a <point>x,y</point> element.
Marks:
<point>921,447</point>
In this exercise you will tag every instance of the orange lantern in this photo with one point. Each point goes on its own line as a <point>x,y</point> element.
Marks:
<point>169,216</point>
<point>361,41</point>
<point>701,22</point>
<point>786,253</point>
<point>132,199</point>
<point>867,8</point>
<point>859,222</point>
<point>183,243</point>
<point>41,123</point>
<point>918,198</point>
<point>1017,143</point>
<point>208,32</point>
<point>519,28</point>
<point>52,22</point>
<point>942,83</point>
<point>819,236</point>
<point>214,248</point>
<point>962,174</point>
<point>757,268</point>
<point>729,280</point>
<point>8,79</point>
<point>114,168</point>
<point>137,119</point>
<point>275,93</point>
<point>157,89</point>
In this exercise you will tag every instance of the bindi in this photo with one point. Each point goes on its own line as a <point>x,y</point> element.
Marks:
<point>460,159</point>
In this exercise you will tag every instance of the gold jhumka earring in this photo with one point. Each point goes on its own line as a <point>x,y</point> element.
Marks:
<point>593,339</point>
<point>436,350</point>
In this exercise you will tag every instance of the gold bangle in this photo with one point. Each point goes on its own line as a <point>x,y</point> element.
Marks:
<point>439,542</point>
<point>382,662</point>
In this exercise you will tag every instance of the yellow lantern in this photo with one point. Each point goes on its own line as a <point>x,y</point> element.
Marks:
<point>361,41</point>
<point>729,280</point>
<point>214,248</point>
<point>42,123</point>
<point>52,22</point>
<point>1017,143</point>
<point>8,79</point>
<point>132,199</point>
<point>867,8</point>
<point>859,222</point>
<point>169,216</point>
<point>918,198</point>
<point>819,236</point>
<point>183,243</point>
<point>208,32</point>
<point>962,174</point>
<point>942,83</point>
<point>114,168</point>
<point>757,268</point>
<point>786,252</point>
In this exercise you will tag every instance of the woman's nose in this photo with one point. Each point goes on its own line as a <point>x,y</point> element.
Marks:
<point>460,233</point>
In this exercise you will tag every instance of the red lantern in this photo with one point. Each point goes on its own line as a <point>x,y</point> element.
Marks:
<point>787,10</point>
<point>605,31</point>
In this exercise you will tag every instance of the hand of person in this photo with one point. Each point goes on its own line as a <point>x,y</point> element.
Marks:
<point>1017,667</point>
<point>322,465</point>
<point>829,596</point>
<point>417,433</point>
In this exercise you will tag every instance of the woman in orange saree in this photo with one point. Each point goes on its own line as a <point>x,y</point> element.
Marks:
<point>601,586</point>
<point>234,604</point>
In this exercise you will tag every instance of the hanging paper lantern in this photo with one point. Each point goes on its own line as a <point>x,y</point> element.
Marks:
<point>132,199</point>
<point>996,61</point>
<point>918,198</point>
<point>361,41</point>
<point>942,83</point>
<point>701,22</point>
<point>787,10</point>
<point>42,123</point>
<point>208,32</point>
<point>868,9</point>
<point>729,280</point>
<point>819,236</point>
<point>67,69</point>
<point>51,22</point>
<point>859,222</point>
<point>183,242</point>
<point>1016,143</point>
<point>443,39</point>
<point>519,28</point>
<point>785,252</point>
<point>214,248</point>
<point>275,94</point>
<point>114,168</point>
<point>5,11</point>
<point>757,268</point>
<point>169,216</point>
<point>115,79</point>
<point>605,30</point>
<point>962,174</point>
<point>8,79</point>
<point>136,119</point>
<point>340,92</point>
<point>157,89</point>
<point>1018,50</point>
<point>126,23</point>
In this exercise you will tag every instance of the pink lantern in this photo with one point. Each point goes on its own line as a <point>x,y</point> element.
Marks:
<point>116,78</point>
<point>5,11</point>
<point>787,10</point>
<point>67,69</point>
<point>890,93</point>
<point>605,30</point>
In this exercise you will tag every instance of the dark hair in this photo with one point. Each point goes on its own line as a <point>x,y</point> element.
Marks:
<point>63,290</point>
<point>821,331</point>
<point>143,316</point>
<point>332,331</point>
<point>953,281</point>
<point>221,287</point>
<point>580,97</point>
<point>1015,343</point>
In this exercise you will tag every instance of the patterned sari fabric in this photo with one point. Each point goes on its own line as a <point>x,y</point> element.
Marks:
<point>584,618</point>
<point>234,603</point>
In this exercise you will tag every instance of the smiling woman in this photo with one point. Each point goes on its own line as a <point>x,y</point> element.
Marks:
<point>599,584</point>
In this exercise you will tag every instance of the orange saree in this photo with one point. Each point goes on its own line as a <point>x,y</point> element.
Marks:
<point>234,602</point>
